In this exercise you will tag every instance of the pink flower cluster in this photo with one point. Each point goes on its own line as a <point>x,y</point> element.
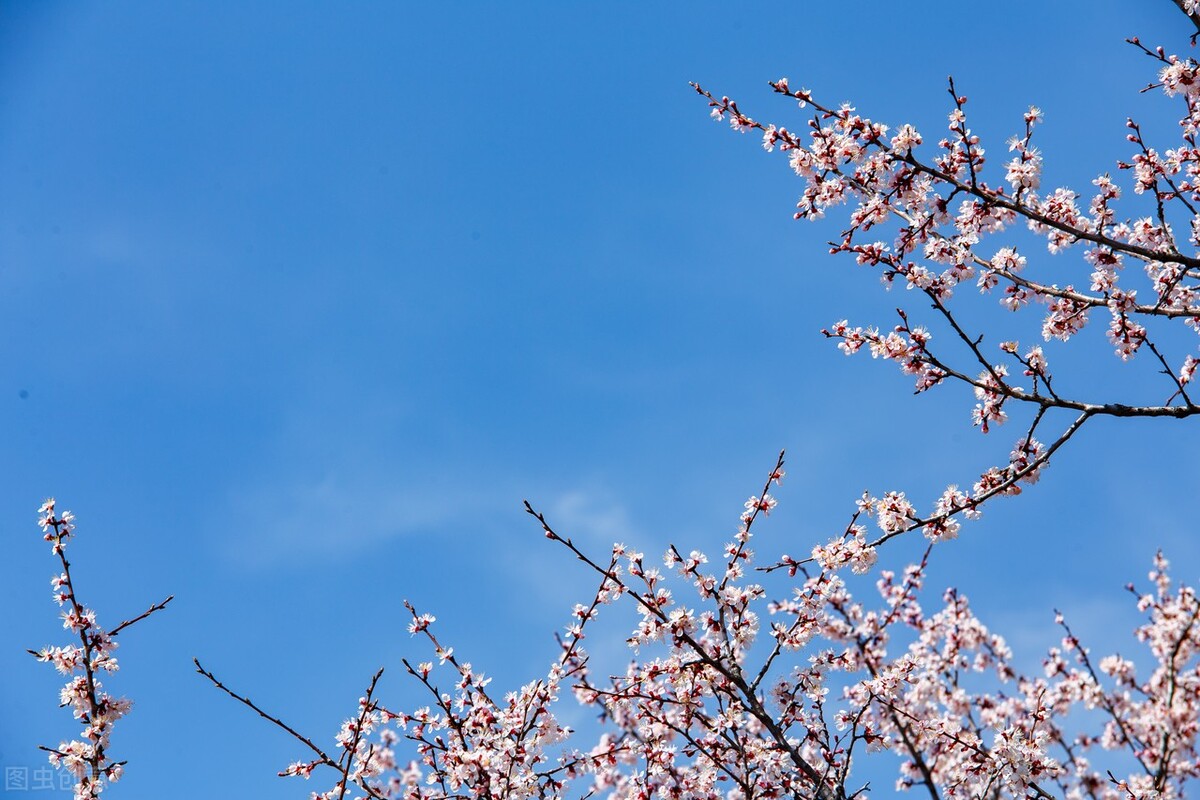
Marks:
<point>850,159</point>
<point>96,710</point>
<point>941,207</point>
<point>733,694</point>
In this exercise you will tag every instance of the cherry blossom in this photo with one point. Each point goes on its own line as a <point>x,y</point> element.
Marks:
<point>86,759</point>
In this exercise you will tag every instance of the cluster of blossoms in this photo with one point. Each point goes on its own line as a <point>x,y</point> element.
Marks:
<point>943,207</point>
<point>466,743</point>
<point>85,758</point>
<point>717,704</point>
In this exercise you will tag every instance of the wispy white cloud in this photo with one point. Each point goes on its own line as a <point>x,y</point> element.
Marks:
<point>340,515</point>
<point>346,511</point>
<point>592,517</point>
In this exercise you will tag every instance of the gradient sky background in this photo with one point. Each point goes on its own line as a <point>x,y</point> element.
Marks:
<point>298,303</point>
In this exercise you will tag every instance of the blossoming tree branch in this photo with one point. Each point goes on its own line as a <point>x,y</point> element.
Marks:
<point>754,679</point>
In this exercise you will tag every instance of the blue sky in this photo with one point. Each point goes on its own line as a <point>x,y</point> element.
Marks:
<point>297,306</point>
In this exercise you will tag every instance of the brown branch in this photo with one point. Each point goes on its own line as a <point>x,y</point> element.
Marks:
<point>1011,481</point>
<point>352,750</point>
<point>325,759</point>
<point>156,607</point>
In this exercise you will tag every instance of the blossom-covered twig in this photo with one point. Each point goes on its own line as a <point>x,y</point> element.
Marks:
<point>86,758</point>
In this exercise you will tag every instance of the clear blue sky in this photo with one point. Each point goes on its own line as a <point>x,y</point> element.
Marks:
<point>298,303</point>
